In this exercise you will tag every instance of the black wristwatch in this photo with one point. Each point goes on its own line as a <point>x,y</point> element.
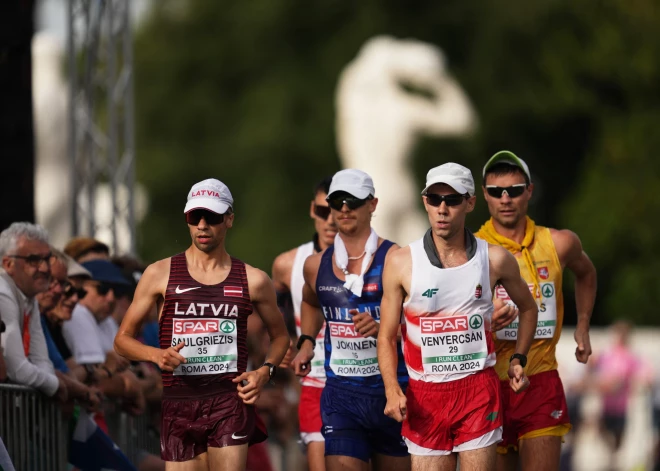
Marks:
<point>272,369</point>
<point>521,357</point>
<point>302,338</point>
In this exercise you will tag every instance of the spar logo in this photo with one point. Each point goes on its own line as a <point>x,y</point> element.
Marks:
<point>202,326</point>
<point>543,273</point>
<point>440,325</point>
<point>548,290</point>
<point>227,327</point>
<point>339,329</point>
<point>501,293</point>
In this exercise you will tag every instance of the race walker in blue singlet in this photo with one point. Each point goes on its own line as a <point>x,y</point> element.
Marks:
<point>344,284</point>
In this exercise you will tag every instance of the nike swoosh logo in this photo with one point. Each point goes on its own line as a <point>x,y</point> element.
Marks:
<point>179,290</point>
<point>233,435</point>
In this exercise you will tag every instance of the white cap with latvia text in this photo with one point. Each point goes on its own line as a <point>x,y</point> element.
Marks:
<point>209,194</point>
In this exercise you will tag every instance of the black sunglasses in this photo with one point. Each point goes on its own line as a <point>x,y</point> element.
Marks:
<point>102,289</point>
<point>453,199</point>
<point>70,290</point>
<point>321,212</point>
<point>212,219</point>
<point>512,191</point>
<point>338,201</point>
<point>34,261</point>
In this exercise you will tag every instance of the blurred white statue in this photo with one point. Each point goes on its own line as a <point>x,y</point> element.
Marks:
<point>50,94</point>
<point>379,122</point>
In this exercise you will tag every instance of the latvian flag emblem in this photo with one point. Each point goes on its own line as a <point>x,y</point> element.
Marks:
<point>235,291</point>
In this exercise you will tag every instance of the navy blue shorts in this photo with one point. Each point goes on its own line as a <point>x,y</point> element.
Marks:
<point>355,424</point>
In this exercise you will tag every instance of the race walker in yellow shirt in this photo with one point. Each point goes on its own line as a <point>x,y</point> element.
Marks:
<point>535,420</point>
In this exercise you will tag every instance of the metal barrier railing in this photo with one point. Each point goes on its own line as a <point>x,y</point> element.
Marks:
<point>37,437</point>
<point>32,429</point>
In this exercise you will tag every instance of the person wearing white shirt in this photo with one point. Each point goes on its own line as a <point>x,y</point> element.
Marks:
<point>26,257</point>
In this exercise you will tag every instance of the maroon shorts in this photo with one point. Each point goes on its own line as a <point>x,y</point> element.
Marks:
<point>190,426</point>
<point>539,407</point>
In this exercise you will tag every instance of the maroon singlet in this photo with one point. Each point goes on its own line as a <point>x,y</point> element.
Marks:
<point>212,322</point>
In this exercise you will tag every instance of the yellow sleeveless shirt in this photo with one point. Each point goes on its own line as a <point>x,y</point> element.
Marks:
<point>546,285</point>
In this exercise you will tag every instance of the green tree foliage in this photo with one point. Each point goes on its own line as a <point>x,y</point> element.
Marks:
<point>244,91</point>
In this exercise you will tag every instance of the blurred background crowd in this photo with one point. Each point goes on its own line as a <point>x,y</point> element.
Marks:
<point>270,97</point>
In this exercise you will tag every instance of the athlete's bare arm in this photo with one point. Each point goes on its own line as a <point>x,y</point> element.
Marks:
<point>264,300</point>
<point>396,284</point>
<point>311,317</point>
<point>504,270</point>
<point>282,267</point>
<point>572,256</point>
<point>150,292</point>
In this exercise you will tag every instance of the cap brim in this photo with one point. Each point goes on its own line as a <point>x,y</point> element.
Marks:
<point>456,186</point>
<point>357,192</point>
<point>214,206</point>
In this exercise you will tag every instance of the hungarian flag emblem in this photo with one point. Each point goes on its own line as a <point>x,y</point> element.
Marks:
<point>235,291</point>
<point>543,272</point>
<point>477,292</point>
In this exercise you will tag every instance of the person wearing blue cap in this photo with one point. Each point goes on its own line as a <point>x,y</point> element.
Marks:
<point>86,340</point>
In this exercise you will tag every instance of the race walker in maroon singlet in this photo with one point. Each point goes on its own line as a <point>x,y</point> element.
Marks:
<point>211,321</point>
<point>204,297</point>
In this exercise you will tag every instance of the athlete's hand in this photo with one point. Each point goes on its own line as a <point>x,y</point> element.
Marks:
<point>288,358</point>
<point>170,358</point>
<point>254,382</point>
<point>503,314</point>
<point>365,325</point>
<point>583,349</point>
<point>302,362</point>
<point>517,379</point>
<point>396,406</point>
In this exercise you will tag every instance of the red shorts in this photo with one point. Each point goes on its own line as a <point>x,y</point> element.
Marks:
<point>190,426</point>
<point>309,414</point>
<point>444,416</point>
<point>541,406</point>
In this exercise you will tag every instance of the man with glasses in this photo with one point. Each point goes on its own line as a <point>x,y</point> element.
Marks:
<point>536,420</point>
<point>289,281</point>
<point>61,288</point>
<point>343,286</point>
<point>26,258</point>
<point>204,297</point>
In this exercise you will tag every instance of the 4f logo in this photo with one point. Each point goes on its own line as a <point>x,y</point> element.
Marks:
<point>430,292</point>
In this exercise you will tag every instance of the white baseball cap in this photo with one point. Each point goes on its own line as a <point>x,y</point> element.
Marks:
<point>209,194</point>
<point>454,175</point>
<point>507,157</point>
<point>354,182</point>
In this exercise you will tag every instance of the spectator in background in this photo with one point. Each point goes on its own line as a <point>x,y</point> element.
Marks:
<point>60,287</point>
<point>87,343</point>
<point>26,258</point>
<point>616,371</point>
<point>84,249</point>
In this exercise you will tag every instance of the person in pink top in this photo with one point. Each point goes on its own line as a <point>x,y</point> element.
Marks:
<point>617,370</point>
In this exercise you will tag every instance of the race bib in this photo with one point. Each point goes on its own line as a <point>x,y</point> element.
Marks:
<point>210,346</point>
<point>352,354</point>
<point>454,344</point>
<point>318,362</point>
<point>547,321</point>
